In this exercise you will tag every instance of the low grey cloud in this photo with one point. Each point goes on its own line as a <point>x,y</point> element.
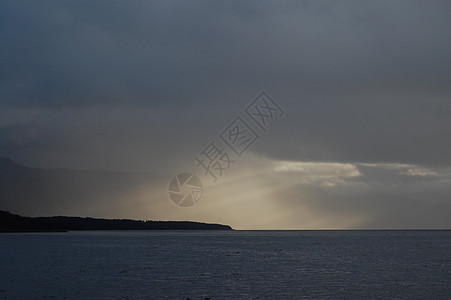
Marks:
<point>363,81</point>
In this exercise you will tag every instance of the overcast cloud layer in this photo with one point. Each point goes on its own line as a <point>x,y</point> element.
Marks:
<point>145,85</point>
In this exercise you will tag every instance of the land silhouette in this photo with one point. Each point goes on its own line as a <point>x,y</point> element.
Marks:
<point>10,222</point>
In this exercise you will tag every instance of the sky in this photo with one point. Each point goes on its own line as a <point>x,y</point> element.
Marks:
<point>145,86</point>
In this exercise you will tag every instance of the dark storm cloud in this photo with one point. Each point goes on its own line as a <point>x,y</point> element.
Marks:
<point>361,80</point>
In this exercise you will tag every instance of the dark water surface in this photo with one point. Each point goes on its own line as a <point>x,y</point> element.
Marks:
<point>225,265</point>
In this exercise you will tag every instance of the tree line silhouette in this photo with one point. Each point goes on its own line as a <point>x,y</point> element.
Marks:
<point>10,222</point>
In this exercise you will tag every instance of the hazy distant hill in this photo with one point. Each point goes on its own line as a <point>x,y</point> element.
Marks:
<point>33,191</point>
<point>12,222</point>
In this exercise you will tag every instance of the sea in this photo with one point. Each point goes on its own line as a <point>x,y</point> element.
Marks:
<point>359,264</point>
